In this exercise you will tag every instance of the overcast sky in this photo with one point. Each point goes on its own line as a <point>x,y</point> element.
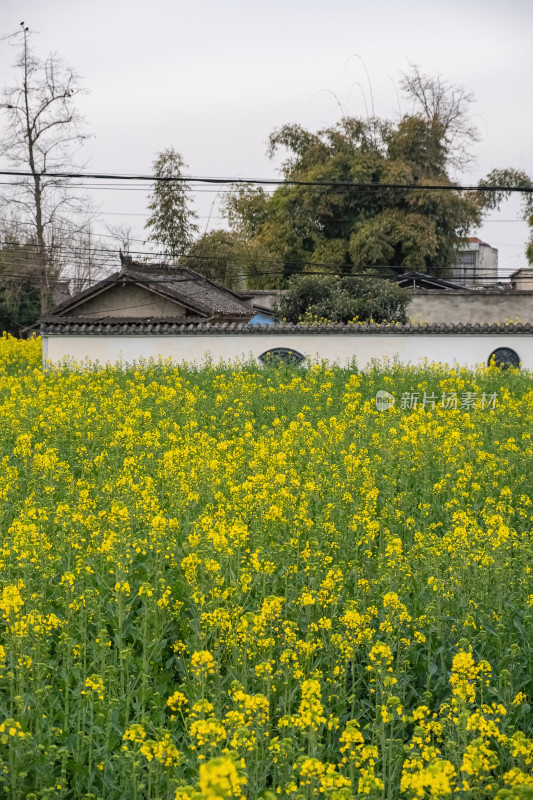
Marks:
<point>213,79</point>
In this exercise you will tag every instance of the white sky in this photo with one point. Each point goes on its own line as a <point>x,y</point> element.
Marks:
<point>213,79</point>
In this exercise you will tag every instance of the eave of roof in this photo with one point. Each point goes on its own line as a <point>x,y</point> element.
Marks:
<point>75,299</point>
<point>421,277</point>
<point>120,279</point>
<point>527,270</point>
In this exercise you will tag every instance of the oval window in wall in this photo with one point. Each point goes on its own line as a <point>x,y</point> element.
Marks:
<point>504,357</point>
<point>281,354</point>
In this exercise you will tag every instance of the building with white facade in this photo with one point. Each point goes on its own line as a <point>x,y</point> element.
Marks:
<point>477,264</point>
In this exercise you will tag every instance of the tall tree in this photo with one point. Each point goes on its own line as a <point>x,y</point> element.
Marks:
<point>171,223</point>
<point>350,229</point>
<point>42,135</point>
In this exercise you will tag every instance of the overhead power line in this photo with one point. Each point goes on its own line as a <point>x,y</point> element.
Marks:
<point>284,271</point>
<point>265,181</point>
<point>78,254</point>
<point>331,219</point>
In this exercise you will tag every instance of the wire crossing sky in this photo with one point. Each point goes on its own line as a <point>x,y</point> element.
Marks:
<point>273,182</point>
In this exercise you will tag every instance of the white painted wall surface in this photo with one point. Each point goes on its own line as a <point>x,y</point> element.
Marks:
<point>464,349</point>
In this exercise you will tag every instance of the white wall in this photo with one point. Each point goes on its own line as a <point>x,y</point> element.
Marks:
<point>465,349</point>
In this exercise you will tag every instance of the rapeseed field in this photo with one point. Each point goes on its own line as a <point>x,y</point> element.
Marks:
<point>252,583</point>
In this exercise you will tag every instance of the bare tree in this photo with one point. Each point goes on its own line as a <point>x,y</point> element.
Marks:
<point>79,256</point>
<point>124,236</point>
<point>445,107</point>
<point>42,135</point>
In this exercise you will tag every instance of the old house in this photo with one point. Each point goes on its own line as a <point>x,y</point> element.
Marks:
<point>142,294</point>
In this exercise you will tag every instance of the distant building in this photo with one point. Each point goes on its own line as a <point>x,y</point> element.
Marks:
<point>477,264</point>
<point>522,279</point>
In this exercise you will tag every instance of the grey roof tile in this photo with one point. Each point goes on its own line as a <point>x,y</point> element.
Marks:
<point>198,326</point>
<point>185,283</point>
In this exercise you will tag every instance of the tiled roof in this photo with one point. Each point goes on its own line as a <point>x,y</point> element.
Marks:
<point>185,283</point>
<point>198,327</point>
<point>186,287</point>
<point>117,325</point>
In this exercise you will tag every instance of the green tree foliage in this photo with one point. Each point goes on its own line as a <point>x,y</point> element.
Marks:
<point>349,229</point>
<point>171,223</point>
<point>224,256</point>
<point>511,178</point>
<point>342,299</point>
<point>231,258</point>
<point>20,299</point>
